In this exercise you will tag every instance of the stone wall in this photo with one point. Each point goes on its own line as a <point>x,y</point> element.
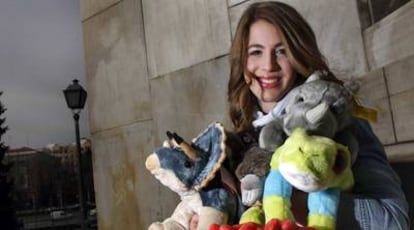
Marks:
<point>156,65</point>
<point>389,84</point>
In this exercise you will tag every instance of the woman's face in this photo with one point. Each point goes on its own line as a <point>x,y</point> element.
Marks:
<point>269,70</point>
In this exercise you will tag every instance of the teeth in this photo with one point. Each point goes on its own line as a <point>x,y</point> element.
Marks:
<point>268,80</point>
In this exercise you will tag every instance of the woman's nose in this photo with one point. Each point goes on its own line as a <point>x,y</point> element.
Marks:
<point>269,63</point>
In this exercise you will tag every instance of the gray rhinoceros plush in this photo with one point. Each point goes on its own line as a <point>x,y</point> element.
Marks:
<point>321,107</point>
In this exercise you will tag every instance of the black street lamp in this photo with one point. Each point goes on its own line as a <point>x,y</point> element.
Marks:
<point>75,97</point>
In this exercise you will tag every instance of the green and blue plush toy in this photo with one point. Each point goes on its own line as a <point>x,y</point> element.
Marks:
<point>314,164</point>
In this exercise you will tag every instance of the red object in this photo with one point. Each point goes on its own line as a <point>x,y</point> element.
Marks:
<point>237,226</point>
<point>273,224</point>
<point>226,227</point>
<point>250,226</point>
<point>214,227</point>
<point>289,225</point>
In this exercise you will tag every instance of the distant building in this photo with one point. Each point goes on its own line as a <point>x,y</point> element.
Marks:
<point>24,191</point>
<point>20,158</point>
<point>46,177</point>
<point>68,153</point>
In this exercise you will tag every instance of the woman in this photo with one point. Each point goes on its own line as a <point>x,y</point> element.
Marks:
<point>274,49</point>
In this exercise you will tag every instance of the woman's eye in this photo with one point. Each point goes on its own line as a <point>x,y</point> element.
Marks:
<point>280,52</point>
<point>255,53</point>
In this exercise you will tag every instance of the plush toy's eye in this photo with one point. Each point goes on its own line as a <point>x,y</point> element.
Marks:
<point>300,100</point>
<point>336,109</point>
<point>340,162</point>
<point>301,150</point>
<point>188,164</point>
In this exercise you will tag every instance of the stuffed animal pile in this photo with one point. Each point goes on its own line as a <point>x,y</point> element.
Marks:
<point>309,129</point>
<point>304,143</point>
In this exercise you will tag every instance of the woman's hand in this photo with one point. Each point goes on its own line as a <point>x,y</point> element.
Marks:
<point>193,222</point>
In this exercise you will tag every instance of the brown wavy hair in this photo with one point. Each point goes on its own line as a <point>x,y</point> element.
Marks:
<point>301,47</point>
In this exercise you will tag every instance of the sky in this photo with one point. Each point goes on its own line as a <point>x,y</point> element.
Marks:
<point>41,52</point>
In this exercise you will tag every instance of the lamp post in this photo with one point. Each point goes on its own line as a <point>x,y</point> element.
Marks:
<point>75,97</point>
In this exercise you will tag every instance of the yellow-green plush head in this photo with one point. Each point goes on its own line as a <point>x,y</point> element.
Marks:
<point>312,163</point>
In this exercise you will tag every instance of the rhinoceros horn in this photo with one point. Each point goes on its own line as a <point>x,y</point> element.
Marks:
<point>316,114</point>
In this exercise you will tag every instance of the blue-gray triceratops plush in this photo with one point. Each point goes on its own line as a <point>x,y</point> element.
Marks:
<point>194,171</point>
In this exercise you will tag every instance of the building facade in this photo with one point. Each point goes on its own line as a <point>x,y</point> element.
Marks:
<point>157,65</point>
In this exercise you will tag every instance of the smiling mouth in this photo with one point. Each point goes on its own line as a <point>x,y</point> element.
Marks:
<point>268,83</point>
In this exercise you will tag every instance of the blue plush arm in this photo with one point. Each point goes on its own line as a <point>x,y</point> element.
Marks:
<point>323,207</point>
<point>377,200</point>
<point>276,197</point>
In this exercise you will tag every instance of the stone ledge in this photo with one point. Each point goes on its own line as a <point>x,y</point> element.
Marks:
<point>400,152</point>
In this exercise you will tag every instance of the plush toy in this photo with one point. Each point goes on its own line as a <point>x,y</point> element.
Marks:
<point>194,171</point>
<point>251,173</point>
<point>320,107</point>
<point>313,164</point>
